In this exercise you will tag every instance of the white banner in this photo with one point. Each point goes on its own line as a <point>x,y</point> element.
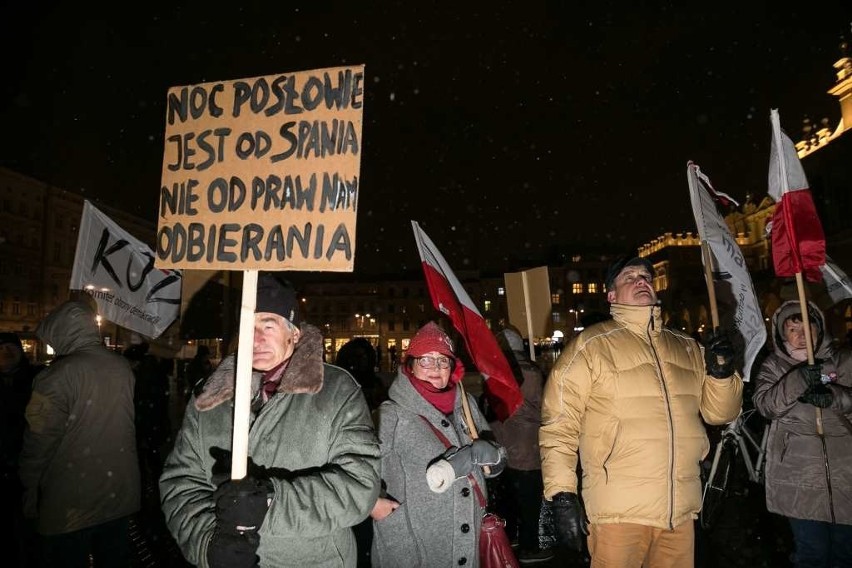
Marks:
<point>732,281</point>
<point>837,284</point>
<point>117,270</point>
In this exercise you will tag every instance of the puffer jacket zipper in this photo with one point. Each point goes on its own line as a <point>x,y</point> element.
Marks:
<point>667,398</point>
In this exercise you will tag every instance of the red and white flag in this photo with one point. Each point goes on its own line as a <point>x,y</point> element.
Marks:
<point>798,242</point>
<point>450,298</point>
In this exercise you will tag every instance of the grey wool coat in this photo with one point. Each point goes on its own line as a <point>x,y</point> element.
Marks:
<point>804,478</point>
<point>315,435</point>
<point>78,464</point>
<point>428,529</point>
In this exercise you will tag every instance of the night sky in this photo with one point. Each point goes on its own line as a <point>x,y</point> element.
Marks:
<point>510,130</point>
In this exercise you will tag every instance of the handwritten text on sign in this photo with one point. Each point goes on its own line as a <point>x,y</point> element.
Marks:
<point>262,173</point>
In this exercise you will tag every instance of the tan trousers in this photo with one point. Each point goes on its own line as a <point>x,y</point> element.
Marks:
<point>628,545</point>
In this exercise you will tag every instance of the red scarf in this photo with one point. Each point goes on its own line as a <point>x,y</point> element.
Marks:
<point>271,379</point>
<point>443,399</point>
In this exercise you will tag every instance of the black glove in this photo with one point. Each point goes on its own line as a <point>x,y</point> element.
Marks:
<point>570,520</point>
<point>719,355</point>
<point>818,395</point>
<point>811,374</point>
<point>232,550</point>
<point>241,506</point>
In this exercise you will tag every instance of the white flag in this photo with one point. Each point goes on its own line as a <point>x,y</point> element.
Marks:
<point>837,283</point>
<point>733,281</point>
<point>117,270</point>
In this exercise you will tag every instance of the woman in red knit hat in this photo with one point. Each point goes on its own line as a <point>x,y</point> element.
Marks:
<point>431,519</point>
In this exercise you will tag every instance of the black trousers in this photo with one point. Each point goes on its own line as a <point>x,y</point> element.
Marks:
<point>107,543</point>
<point>521,505</point>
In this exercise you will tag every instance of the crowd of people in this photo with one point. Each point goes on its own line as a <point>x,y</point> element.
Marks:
<point>342,469</point>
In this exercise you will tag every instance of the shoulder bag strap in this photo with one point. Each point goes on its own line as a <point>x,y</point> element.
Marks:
<point>447,444</point>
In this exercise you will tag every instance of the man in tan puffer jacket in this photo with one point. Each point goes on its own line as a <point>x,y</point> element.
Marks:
<point>627,397</point>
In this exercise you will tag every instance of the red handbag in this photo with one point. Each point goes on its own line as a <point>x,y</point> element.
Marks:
<point>495,550</point>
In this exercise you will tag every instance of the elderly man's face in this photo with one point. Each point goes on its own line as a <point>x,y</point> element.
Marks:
<point>633,287</point>
<point>274,340</point>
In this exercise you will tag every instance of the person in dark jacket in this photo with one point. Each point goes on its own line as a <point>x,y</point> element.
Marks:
<point>521,505</point>
<point>198,369</point>
<point>314,456</point>
<point>16,384</point>
<point>78,462</point>
<point>808,473</point>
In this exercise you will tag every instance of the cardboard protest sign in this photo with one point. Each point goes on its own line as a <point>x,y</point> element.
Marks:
<point>529,303</point>
<point>263,173</point>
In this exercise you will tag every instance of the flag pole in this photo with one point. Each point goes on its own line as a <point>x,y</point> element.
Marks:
<point>711,289</point>
<point>806,323</point>
<point>471,425</point>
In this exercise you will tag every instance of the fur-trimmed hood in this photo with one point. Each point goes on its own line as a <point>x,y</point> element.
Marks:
<point>304,373</point>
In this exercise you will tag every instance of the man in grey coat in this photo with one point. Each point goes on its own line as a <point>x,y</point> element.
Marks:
<point>78,463</point>
<point>314,457</point>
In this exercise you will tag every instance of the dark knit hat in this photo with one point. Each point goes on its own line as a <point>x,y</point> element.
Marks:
<point>623,262</point>
<point>430,338</point>
<point>277,296</point>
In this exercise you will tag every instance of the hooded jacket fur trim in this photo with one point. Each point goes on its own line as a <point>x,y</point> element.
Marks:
<point>304,373</point>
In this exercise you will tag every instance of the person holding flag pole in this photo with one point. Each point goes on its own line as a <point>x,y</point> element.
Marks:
<point>808,399</point>
<point>626,398</point>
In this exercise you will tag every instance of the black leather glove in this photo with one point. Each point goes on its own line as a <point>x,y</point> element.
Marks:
<point>241,506</point>
<point>570,520</point>
<point>719,355</point>
<point>818,395</point>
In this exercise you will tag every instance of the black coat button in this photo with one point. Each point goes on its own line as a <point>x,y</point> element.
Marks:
<point>462,561</point>
<point>465,492</point>
<point>465,528</point>
<point>445,424</point>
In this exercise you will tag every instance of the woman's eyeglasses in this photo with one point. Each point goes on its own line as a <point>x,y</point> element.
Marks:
<point>429,362</point>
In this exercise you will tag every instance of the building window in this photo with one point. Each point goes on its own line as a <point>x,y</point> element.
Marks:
<point>391,325</point>
<point>501,291</point>
<point>16,308</point>
<point>556,317</point>
<point>593,287</point>
<point>488,307</point>
<point>406,325</point>
<point>554,299</point>
<point>577,288</point>
<point>57,252</point>
<point>391,309</point>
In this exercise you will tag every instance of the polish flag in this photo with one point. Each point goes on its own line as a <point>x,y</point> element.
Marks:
<point>450,298</point>
<point>798,242</point>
